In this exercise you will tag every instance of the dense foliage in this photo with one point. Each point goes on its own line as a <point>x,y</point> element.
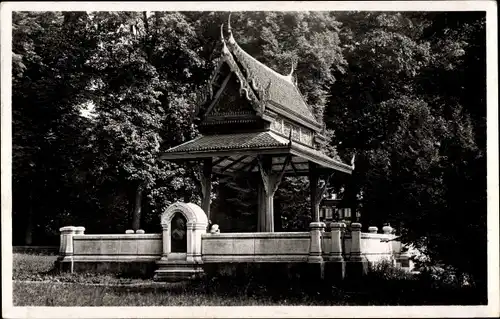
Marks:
<point>98,95</point>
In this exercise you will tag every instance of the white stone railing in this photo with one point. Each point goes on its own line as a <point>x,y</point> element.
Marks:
<point>117,247</point>
<point>75,246</point>
<point>316,246</point>
<point>256,247</point>
<point>377,247</point>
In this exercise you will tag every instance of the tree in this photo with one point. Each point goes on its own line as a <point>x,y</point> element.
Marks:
<point>143,101</point>
<point>401,107</point>
<point>49,82</point>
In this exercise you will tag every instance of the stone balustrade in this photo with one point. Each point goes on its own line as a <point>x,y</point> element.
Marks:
<point>338,252</point>
<point>256,247</point>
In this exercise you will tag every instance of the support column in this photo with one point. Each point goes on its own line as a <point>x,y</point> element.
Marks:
<point>206,185</point>
<point>263,208</point>
<point>269,185</point>
<point>317,228</point>
<point>313,182</point>
<point>266,196</point>
<point>317,191</point>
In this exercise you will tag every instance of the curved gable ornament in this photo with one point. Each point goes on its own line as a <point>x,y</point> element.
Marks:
<point>193,213</point>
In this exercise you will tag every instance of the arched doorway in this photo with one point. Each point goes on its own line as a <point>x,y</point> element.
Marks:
<point>178,233</point>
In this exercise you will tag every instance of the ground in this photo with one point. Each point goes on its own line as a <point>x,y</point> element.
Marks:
<point>36,284</point>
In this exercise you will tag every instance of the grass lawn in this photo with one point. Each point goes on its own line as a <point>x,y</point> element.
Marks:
<point>35,284</point>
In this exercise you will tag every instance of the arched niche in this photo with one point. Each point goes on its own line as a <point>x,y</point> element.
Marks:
<point>178,233</point>
<point>195,224</point>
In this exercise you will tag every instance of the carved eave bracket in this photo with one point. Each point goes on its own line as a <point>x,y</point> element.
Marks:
<point>322,187</point>
<point>272,180</point>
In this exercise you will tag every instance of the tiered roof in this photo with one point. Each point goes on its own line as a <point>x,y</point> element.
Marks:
<point>292,129</point>
<point>281,93</point>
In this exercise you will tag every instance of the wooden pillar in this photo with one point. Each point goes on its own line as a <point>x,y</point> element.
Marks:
<point>317,191</point>
<point>206,185</point>
<point>269,185</point>
<point>260,209</point>
<point>266,210</point>
<point>266,196</point>
<point>313,182</point>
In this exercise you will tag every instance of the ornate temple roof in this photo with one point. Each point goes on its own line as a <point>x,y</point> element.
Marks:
<point>230,142</point>
<point>287,127</point>
<point>266,87</point>
<point>282,92</point>
<point>249,145</point>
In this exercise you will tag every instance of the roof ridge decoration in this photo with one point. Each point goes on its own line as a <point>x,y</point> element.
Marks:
<point>225,50</point>
<point>233,42</point>
<point>245,89</point>
<point>287,99</point>
<point>290,77</point>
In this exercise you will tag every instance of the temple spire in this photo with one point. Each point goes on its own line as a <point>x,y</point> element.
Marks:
<point>294,64</point>
<point>224,47</point>
<point>290,77</point>
<point>229,30</point>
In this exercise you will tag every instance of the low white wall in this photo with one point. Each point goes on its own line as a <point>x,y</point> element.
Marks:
<point>326,242</point>
<point>229,247</point>
<point>377,247</point>
<point>120,247</point>
<point>255,247</point>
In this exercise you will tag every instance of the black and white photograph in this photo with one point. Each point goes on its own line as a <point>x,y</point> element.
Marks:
<point>249,159</point>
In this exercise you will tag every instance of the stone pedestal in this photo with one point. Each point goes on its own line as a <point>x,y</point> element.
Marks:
<point>315,258</point>
<point>387,229</point>
<point>357,265</point>
<point>315,251</point>
<point>65,259</point>
<point>335,265</point>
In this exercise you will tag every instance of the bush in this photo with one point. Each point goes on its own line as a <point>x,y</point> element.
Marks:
<point>385,270</point>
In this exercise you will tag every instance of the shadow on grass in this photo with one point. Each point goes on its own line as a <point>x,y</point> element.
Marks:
<point>243,285</point>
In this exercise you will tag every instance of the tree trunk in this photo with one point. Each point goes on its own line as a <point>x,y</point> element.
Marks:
<point>28,235</point>
<point>136,215</point>
<point>187,197</point>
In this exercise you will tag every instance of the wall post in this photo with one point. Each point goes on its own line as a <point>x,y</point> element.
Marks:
<point>65,258</point>
<point>165,241</point>
<point>335,266</point>
<point>315,258</point>
<point>387,229</point>
<point>357,266</point>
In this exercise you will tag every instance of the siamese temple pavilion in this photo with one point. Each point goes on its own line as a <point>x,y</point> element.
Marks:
<point>256,121</point>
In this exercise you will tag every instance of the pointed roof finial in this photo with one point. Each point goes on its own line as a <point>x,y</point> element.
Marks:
<point>290,78</point>
<point>229,30</point>
<point>224,46</point>
<point>294,65</point>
